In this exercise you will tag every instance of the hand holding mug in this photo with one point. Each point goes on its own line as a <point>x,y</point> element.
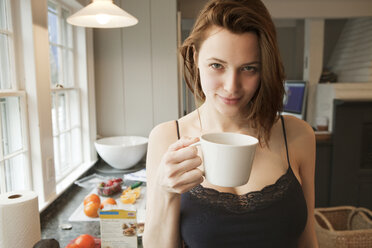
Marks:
<point>178,171</point>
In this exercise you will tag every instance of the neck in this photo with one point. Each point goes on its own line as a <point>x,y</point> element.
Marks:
<point>213,121</point>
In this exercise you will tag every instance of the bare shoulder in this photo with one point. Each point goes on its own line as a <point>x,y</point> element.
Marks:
<point>161,137</point>
<point>166,133</point>
<point>163,134</point>
<point>297,129</point>
<point>190,125</point>
<point>301,140</point>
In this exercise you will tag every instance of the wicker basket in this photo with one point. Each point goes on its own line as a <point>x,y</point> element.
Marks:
<point>343,227</point>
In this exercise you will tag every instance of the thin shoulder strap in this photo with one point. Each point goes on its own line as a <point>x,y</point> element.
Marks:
<point>178,130</point>
<point>285,139</point>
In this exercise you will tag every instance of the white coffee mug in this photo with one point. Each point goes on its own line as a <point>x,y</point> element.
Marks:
<point>227,158</point>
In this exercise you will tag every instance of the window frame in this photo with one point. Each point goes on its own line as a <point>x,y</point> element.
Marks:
<point>11,48</point>
<point>15,91</point>
<point>70,127</point>
<point>63,86</point>
<point>31,45</point>
<point>25,148</point>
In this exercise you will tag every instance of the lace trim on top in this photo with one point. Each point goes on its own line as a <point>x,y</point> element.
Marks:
<point>249,202</point>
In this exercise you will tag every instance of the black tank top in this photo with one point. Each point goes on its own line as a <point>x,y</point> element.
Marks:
<point>272,217</point>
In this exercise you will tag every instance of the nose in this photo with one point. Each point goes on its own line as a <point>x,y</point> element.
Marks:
<point>232,82</point>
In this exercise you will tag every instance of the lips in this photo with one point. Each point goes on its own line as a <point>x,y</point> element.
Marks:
<point>230,100</point>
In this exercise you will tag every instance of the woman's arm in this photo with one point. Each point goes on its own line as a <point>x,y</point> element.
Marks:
<point>304,144</point>
<point>171,170</point>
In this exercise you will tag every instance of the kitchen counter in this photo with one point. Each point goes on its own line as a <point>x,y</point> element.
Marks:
<point>61,209</point>
<point>323,136</point>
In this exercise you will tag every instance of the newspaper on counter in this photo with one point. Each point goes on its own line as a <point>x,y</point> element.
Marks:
<point>136,176</point>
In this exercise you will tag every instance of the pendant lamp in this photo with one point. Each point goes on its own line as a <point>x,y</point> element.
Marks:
<point>102,14</point>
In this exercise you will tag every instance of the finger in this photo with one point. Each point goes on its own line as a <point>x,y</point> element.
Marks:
<point>175,166</point>
<point>189,164</point>
<point>188,186</point>
<point>181,155</point>
<point>191,176</point>
<point>182,142</point>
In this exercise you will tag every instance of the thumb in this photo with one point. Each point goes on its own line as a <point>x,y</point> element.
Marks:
<point>183,142</point>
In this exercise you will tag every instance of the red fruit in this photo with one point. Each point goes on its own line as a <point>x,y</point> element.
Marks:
<point>109,183</point>
<point>106,191</point>
<point>85,241</point>
<point>73,245</point>
<point>118,180</point>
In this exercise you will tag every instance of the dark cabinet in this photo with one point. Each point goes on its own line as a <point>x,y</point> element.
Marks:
<point>343,173</point>
<point>323,170</point>
<point>351,167</point>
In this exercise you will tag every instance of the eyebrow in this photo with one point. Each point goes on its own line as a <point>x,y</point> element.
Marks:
<point>224,62</point>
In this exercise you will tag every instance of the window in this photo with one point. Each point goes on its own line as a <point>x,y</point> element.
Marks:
<point>67,135</point>
<point>14,155</point>
<point>46,112</point>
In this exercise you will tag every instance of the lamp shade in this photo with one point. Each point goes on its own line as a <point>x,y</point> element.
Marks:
<point>102,14</point>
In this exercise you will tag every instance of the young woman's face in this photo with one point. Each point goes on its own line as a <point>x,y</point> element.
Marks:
<point>229,66</point>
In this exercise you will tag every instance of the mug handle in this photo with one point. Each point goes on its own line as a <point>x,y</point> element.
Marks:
<point>195,144</point>
<point>199,144</point>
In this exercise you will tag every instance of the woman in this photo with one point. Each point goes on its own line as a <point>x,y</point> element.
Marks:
<point>232,65</point>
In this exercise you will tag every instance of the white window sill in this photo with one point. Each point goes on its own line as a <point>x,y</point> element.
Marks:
<point>67,182</point>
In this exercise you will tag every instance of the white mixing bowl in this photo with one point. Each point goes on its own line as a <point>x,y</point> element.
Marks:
<point>122,152</point>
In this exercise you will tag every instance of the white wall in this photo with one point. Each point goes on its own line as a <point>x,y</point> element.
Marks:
<point>332,32</point>
<point>40,125</point>
<point>313,62</point>
<point>290,36</point>
<point>351,59</point>
<point>296,9</point>
<point>136,70</point>
<point>318,8</point>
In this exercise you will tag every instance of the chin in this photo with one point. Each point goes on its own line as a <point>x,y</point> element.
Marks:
<point>228,111</point>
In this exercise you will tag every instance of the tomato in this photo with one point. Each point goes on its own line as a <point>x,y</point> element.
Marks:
<point>92,198</point>
<point>85,241</point>
<point>91,209</point>
<point>73,245</point>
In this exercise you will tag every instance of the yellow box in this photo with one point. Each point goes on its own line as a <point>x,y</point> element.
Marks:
<point>118,228</point>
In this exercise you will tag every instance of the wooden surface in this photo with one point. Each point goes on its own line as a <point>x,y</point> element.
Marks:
<point>323,136</point>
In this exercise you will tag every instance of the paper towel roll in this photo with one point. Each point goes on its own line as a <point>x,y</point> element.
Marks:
<point>19,220</point>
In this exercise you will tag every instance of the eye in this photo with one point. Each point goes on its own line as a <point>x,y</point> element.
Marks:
<point>216,66</point>
<point>249,68</point>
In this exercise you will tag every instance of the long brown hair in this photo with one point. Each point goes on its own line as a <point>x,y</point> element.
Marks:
<point>240,16</point>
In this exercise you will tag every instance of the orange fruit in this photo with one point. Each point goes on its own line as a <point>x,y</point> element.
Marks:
<point>92,198</point>
<point>137,191</point>
<point>126,190</point>
<point>110,201</point>
<point>91,209</point>
<point>128,198</point>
